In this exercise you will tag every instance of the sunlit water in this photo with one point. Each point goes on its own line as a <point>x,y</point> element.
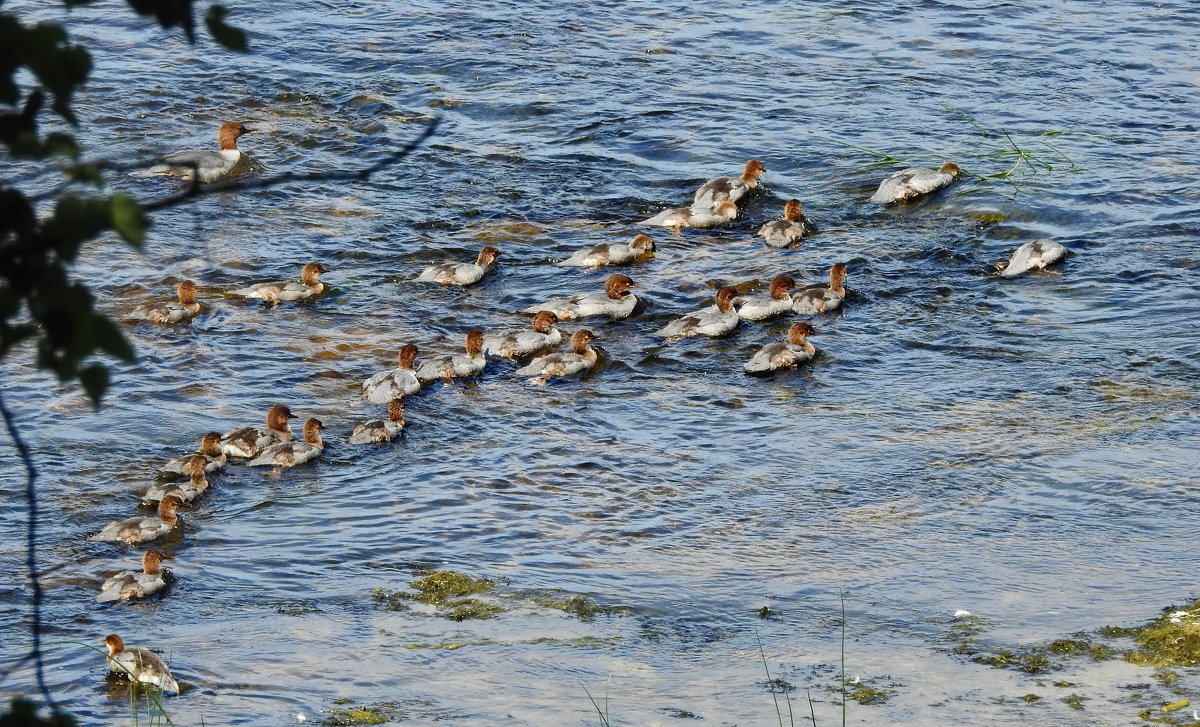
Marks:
<point>1023,449</point>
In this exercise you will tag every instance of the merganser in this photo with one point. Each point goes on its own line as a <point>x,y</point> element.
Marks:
<point>210,447</point>
<point>207,165</point>
<point>784,355</point>
<point>456,366</point>
<point>559,364</point>
<point>696,216</point>
<point>611,253</point>
<point>131,584</point>
<point>460,273</point>
<point>1033,255</point>
<point>139,665</point>
<point>289,454</point>
<point>185,310</point>
<point>715,320</point>
<point>250,441</point>
<point>187,491</point>
<point>310,286</point>
<point>730,189</point>
<point>777,301</point>
<point>914,182</point>
<point>517,344</point>
<point>791,229</point>
<point>822,300</point>
<point>394,383</point>
<point>142,529</point>
<point>381,430</point>
<point>616,302</point>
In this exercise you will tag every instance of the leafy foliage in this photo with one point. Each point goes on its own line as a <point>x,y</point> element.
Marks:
<point>38,299</point>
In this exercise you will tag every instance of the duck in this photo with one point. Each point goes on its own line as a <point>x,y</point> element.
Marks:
<point>456,366</point>
<point>289,454</point>
<point>616,302</point>
<point>381,430</point>
<point>386,385</point>
<point>460,273</point>
<point>822,300</point>
<point>518,344</point>
<point>759,307</point>
<point>611,253</point>
<point>131,584</point>
<point>210,447</point>
<point>140,529</point>
<point>914,182</point>
<point>185,310</point>
<point>1033,255</point>
<point>730,189</point>
<point>790,229</point>
<point>139,665</point>
<point>186,491</point>
<point>559,364</point>
<point>715,320</point>
<point>202,164</point>
<point>309,287</point>
<point>697,216</point>
<point>250,441</point>
<point>784,354</point>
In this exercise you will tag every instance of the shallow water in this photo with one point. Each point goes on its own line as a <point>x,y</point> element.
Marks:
<point>1023,449</point>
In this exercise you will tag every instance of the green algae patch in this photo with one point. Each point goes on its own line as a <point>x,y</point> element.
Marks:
<point>581,607</point>
<point>1030,698</point>
<point>438,587</point>
<point>1074,701</point>
<point>869,695</point>
<point>1172,639</point>
<point>359,715</point>
<point>471,608</point>
<point>447,591</point>
<point>390,601</point>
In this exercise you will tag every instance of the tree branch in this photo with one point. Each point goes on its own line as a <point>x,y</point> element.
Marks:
<point>31,554</point>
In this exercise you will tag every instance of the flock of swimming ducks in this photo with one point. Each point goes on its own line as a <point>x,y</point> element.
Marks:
<point>714,204</point>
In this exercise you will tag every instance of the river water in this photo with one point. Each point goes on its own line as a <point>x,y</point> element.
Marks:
<point>1023,449</point>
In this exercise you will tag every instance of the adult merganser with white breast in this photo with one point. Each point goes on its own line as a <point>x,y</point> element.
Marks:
<point>206,165</point>
<point>715,320</point>
<point>310,286</point>
<point>822,300</point>
<point>778,300</point>
<point>131,584</point>
<point>698,216</point>
<point>138,665</point>
<point>460,273</point>
<point>615,302</point>
<point>401,381</point>
<point>517,344</point>
<point>455,366</point>
<point>730,189</point>
<point>611,253</point>
<point>914,182</point>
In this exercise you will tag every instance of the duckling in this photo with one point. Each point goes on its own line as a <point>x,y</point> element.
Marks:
<point>140,529</point>
<point>289,454</point>
<point>616,302</point>
<point>611,253</point>
<point>250,441</point>
<point>381,430</point>
<point>777,301</point>
<point>791,229</point>
<point>560,364</point>
<point>401,381</point>
<point>784,355</point>
<point>185,310</point>
<point>456,366</point>
<point>822,300</point>
<point>697,216</point>
<point>730,189</point>
<point>139,665</point>
<point>309,287</point>
<point>460,273</point>
<point>131,584</point>
<point>518,344</point>
<point>1033,255</point>
<point>187,491</point>
<point>210,447</point>
<point>715,320</point>
<point>914,182</point>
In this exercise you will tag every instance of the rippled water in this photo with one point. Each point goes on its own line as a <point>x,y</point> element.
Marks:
<point>1023,449</point>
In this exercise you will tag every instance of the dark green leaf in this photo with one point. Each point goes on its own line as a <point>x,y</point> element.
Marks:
<point>110,339</point>
<point>227,35</point>
<point>128,220</point>
<point>95,382</point>
<point>61,144</point>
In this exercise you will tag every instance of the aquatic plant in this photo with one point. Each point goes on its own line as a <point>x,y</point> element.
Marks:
<point>1172,639</point>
